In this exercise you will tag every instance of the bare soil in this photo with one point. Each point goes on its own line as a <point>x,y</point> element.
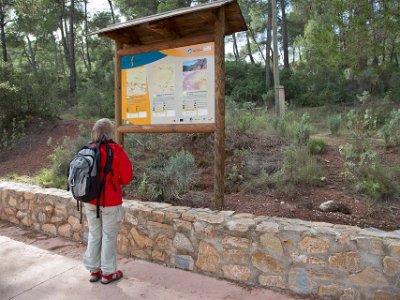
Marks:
<point>32,152</point>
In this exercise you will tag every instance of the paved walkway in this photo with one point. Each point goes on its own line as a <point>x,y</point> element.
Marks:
<point>35,266</point>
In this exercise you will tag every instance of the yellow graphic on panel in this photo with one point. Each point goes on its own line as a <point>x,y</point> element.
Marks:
<point>135,96</point>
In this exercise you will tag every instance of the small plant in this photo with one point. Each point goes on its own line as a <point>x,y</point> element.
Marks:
<point>301,130</point>
<point>168,180</point>
<point>11,136</point>
<point>391,130</point>
<point>56,174</point>
<point>316,146</point>
<point>362,124</point>
<point>299,168</point>
<point>367,175</point>
<point>334,124</point>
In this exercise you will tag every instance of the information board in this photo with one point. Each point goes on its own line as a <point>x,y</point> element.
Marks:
<point>174,86</point>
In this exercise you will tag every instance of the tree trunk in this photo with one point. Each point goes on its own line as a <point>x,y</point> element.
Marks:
<point>3,33</point>
<point>63,32</point>
<point>255,41</point>
<point>268,48</point>
<point>112,10</point>
<point>31,54</point>
<point>285,45</point>
<point>89,64</point>
<point>249,48</point>
<point>72,77</point>
<point>235,48</point>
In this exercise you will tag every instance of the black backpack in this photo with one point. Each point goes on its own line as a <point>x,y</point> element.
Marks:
<point>84,174</point>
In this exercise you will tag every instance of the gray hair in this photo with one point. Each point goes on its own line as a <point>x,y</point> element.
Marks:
<point>102,128</point>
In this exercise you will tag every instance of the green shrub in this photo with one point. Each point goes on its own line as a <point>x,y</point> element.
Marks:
<point>335,123</point>
<point>316,146</point>
<point>168,180</point>
<point>391,130</point>
<point>56,174</point>
<point>9,137</point>
<point>299,168</point>
<point>365,123</point>
<point>366,174</point>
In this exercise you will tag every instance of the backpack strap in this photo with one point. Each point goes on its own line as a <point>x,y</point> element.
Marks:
<point>106,170</point>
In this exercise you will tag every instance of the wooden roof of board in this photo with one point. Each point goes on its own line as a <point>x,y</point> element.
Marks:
<point>180,23</point>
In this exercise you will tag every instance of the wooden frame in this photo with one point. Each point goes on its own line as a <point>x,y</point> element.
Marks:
<point>162,31</point>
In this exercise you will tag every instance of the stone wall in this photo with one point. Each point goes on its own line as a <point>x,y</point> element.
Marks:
<point>307,258</point>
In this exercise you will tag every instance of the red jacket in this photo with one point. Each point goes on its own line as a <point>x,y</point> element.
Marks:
<point>120,174</point>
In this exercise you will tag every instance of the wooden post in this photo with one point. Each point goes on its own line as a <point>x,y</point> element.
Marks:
<point>219,136</point>
<point>281,95</point>
<point>119,137</point>
<point>276,57</point>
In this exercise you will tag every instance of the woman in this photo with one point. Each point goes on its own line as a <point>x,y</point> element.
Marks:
<point>101,254</point>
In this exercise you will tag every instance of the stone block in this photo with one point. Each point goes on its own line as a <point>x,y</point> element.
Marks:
<point>157,216</point>
<point>236,272</point>
<point>61,211</point>
<point>181,225</point>
<point>272,281</point>
<point>391,266</point>
<point>370,245</point>
<point>156,228</point>
<point>349,261</point>
<point>211,218</point>
<point>12,202</point>
<point>266,263</point>
<point>13,220</point>
<point>172,215</point>
<point>181,242</point>
<point>204,230</point>
<point>383,295</point>
<point>158,255</point>
<point>240,225</point>
<point>299,281</point>
<point>122,244</point>
<point>236,242</point>
<point>65,230</point>
<point>74,222</point>
<point>185,262</point>
<point>350,294</point>
<point>189,215</point>
<point>314,245</point>
<point>368,277</point>
<point>269,227</point>
<point>234,255</point>
<point>243,216</point>
<point>271,244</point>
<point>394,249</point>
<point>208,258</point>
<point>20,215</point>
<point>141,240</point>
<point>26,221</point>
<point>50,229</point>
<point>331,290</point>
<point>163,242</point>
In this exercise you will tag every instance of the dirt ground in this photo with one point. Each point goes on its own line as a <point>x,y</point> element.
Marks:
<point>32,152</point>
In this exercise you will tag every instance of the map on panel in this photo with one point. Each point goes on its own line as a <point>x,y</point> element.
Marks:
<point>174,86</point>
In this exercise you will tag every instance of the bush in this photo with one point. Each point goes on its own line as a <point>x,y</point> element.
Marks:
<point>244,82</point>
<point>364,123</point>
<point>299,169</point>
<point>9,137</point>
<point>316,146</point>
<point>391,130</point>
<point>168,180</point>
<point>56,175</point>
<point>366,174</point>
<point>335,123</point>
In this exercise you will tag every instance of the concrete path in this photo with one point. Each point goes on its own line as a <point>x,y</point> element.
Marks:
<point>35,266</point>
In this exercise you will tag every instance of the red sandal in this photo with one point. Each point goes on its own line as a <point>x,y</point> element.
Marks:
<point>95,276</point>
<point>106,279</point>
